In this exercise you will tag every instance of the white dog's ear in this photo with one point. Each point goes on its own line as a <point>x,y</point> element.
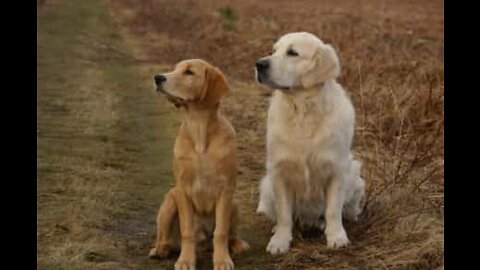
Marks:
<point>326,66</point>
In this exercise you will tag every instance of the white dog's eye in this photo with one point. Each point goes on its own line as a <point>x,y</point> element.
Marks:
<point>291,52</point>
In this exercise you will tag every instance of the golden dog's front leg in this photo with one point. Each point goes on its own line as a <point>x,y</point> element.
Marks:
<point>186,260</point>
<point>223,211</point>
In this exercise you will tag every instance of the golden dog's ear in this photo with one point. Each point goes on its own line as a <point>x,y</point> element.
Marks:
<point>215,87</point>
<point>324,67</point>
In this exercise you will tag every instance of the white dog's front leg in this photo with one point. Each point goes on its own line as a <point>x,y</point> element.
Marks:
<point>280,241</point>
<point>335,233</point>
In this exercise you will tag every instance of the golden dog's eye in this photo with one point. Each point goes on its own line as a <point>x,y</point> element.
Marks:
<point>188,72</point>
<point>291,52</point>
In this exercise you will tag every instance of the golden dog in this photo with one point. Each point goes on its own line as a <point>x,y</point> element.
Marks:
<point>204,166</point>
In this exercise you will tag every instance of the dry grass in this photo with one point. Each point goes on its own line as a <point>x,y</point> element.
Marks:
<point>392,59</point>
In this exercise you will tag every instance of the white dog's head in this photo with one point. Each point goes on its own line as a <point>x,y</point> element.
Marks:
<point>299,60</point>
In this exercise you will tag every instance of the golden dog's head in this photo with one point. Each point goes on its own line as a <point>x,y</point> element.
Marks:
<point>193,82</point>
<point>299,60</point>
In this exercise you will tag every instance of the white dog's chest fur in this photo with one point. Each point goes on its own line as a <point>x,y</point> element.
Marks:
<point>318,124</point>
<point>313,131</point>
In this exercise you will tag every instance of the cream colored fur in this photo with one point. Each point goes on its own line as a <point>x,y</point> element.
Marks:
<point>311,172</point>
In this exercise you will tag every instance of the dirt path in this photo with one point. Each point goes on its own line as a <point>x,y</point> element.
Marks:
<point>104,146</point>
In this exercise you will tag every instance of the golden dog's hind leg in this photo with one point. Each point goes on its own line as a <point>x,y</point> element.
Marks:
<point>235,244</point>
<point>167,221</point>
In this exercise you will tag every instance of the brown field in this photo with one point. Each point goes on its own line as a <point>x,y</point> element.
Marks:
<point>104,139</point>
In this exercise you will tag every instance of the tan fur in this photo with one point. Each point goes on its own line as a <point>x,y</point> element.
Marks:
<point>204,166</point>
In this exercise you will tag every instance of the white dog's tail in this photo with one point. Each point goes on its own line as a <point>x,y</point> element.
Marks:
<point>353,207</point>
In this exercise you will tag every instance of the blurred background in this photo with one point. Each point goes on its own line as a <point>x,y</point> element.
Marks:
<point>105,138</point>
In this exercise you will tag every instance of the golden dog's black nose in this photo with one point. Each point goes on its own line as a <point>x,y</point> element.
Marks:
<point>159,79</point>
<point>262,64</point>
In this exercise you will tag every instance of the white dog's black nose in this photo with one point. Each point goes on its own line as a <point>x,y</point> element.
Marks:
<point>262,64</point>
<point>159,79</point>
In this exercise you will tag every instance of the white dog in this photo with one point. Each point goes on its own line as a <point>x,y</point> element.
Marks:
<point>312,177</point>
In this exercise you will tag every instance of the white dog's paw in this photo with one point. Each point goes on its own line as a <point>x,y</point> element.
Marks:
<point>337,239</point>
<point>279,243</point>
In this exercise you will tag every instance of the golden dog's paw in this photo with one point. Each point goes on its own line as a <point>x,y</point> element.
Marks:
<point>160,251</point>
<point>183,264</point>
<point>238,246</point>
<point>224,264</point>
